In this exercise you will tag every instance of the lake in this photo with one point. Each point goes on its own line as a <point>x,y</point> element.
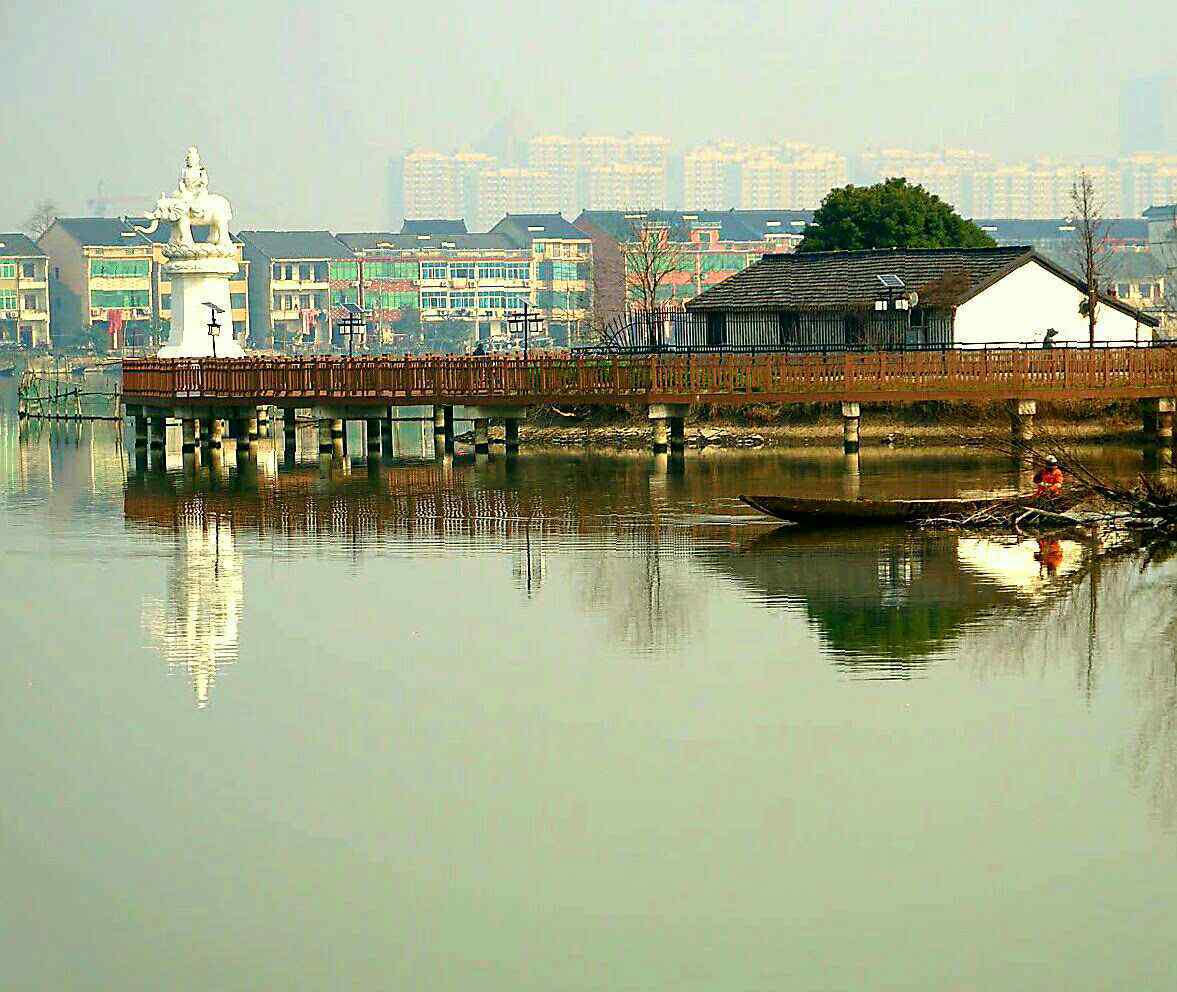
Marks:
<point>569,721</point>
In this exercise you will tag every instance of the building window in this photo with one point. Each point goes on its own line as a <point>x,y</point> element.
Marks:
<point>305,273</point>
<point>139,268</point>
<point>7,299</point>
<point>565,271</point>
<point>342,296</point>
<point>236,301</point>
<point>165,301</point>
<point>1123,290</point>
<point>120,299</point>
<point>788,327</point>
<point>306,301</point>
<point>433,270</point>
<point>28,271</point>
<point>434,301</point>
<point>716,329</point>
<point>343,271</point>
<point>31,302</point>
<point>390,270</point>
<point>492,301</point>
<point>277,271</point>
<point>461,301</point>
<point>7,270</point>
<point>461,270</point>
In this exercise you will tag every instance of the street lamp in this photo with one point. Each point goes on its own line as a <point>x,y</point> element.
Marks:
<point>526,318</point>
<point>214,327</point>
<point>353,320</point>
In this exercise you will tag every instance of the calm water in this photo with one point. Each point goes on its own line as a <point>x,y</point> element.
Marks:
<point>568,722</point>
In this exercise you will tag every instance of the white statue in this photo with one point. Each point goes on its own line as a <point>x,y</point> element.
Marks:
<point>191,204</point>
<point>199,271</point>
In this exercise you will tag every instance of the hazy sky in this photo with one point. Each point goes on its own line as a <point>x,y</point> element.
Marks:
<point>296,106</point>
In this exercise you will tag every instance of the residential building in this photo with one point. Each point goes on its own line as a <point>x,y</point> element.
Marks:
<point>1148,115</point>
<point>1057,239</point>
<point>426,291</point>
<point>561,277</point>
<point>514,190</point>
<point>290,286</point>
<point>104,274</point>
<point>434,288</point>
<point>703,248</point>
<point>780,176</point>
<point>907,298</point>
<point>24,293</point>
<point>558,156</point>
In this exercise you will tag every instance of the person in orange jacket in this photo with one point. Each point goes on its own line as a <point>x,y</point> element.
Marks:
<point>1049,479</point>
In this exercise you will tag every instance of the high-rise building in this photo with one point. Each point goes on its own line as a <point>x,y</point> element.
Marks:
<point>786,175</point>
<point>1148,115</point>
<point>585,169</point>
<point>559,156</point>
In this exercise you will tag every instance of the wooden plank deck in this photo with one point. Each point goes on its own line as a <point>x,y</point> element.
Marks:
<point>897,377</point>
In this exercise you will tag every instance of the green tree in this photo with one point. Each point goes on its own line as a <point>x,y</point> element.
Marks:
<point>890,214</point>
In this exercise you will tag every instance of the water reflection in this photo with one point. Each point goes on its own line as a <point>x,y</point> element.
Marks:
<point>196,624</point>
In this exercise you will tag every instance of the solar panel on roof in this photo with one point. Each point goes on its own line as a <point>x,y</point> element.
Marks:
<point>891,281</point>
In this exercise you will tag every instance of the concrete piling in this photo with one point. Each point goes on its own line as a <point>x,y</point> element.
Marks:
<point>482,436</point>
<point>668,423</point>
<point>851,419</point>
<point>187,436</point>
<point>289,434</point>
<point>372,436</point>
<point>511,429</point>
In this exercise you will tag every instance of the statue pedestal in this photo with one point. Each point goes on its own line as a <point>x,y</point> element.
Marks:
<point>195,283</point>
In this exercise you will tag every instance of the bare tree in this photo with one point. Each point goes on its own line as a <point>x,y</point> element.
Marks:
<point>41,219</point>
<point>1092,248</point>
<point>650,257</point>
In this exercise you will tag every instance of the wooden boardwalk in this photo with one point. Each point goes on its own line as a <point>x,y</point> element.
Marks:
<point>896,377</point>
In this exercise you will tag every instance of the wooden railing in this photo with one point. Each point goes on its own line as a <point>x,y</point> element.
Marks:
<point>724,379</point>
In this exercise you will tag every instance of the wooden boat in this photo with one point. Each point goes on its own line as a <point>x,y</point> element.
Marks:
<point>810,511</point>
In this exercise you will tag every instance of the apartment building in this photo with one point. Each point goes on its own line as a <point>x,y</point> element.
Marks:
<point>24,293</point>
<point>290,286</point>
<point>704,248</point>
<point>602,171</point>
<point>104,274</point>
<point>561,271</point>
<point>503,191</point>
<point>781,176</point>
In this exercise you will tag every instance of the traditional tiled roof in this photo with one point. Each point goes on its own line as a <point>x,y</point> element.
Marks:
<point>732,225</point>
<point>433,226</point>
<point>377,240</point>
<point>20,246</point>
<point>1135,265</point>
<point>1019,231</point>
<point>101,231</point>
<point>523,229</point>
<point>295,244</point>
<point>767,223</point>
<point>849,280</point>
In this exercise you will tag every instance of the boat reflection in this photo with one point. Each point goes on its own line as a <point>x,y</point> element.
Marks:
<point>887,601</point>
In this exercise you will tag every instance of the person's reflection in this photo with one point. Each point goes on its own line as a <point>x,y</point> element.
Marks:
<point>1049,555</point>
<point>195,627</point>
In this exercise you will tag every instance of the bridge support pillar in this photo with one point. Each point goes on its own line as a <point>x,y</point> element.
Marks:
<point>1021,420</point>
<point>448,412</point>
<point>386,431</point>
<point>157,427</point>
<point>263,421</point>
<point>668,422</point>
<point>851,419</point>
<point>187,436</point>
<point>216,432</point>
<point>372,436</point>
<point>511,428</point>
<point>439,422</point>
<point>324,436</point>
<point>338,437</point>
<point>1157,417</point>
<point>140,428</point>
<point>289,434</point>
<point>252,430</point>
<point>509,415</point>
<point>482,435</point>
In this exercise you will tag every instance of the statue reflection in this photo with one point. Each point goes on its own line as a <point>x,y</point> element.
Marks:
<point>196,625</point>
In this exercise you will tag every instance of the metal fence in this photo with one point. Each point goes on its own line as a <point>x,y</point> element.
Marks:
<point>676,331</point>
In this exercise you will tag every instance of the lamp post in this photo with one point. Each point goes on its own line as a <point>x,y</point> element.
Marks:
<point>353,320</point>
<point>525,318</point>
<point>214,327</point>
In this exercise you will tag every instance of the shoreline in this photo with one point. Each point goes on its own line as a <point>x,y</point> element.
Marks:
<point>875,432</point>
